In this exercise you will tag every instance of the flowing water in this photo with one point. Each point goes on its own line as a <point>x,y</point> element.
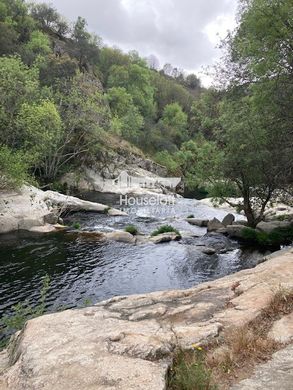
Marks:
<point>83,270</point>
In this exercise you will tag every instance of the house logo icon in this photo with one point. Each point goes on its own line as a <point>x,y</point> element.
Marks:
<point>125,181</point>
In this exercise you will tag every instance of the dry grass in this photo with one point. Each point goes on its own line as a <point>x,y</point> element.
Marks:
<point>233,356</point>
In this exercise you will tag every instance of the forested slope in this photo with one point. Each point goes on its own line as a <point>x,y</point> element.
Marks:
<point>64,96</point>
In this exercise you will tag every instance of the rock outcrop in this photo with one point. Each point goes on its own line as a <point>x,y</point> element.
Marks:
<point>31,208</point>
<point>277,374</point>
<point>127,342</point>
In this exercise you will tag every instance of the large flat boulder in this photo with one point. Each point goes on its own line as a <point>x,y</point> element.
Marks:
<point>31,207</point>
<point>126,342</point>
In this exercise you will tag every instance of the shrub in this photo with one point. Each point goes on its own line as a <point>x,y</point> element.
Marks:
<point>190,216</point>
<point>131,229</point>
<point>13,168</point>
<point>165,229</point>
<point>279,236</point>
<point>76,225</point>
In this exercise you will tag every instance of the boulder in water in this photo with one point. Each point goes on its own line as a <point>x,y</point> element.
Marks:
<point>215,225</point>
<point>165,237</point>
<point>228,220</point>
<point>120,236</point>
<point>198,222</point>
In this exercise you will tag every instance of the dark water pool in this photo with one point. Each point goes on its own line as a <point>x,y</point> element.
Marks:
<point>81,270</point>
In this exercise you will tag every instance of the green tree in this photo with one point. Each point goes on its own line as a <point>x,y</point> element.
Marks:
<point>137,82</point>
<point>175,122</point>
<point>14,166</point>
<point>18,85</point>
<point>127,120</point>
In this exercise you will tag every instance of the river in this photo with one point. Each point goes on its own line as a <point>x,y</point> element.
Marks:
<point>85,271</point>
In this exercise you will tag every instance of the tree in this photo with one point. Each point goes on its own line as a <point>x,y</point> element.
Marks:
<point>136,80</point>
<point>14,166</point>
<point>42,131</point>
<point>175,121</point>
<point>87,46</point>
<point>38,45</point>
<point>126,120</point>
<point>192,81</point>
<point>18,84</point>
<point>251,129</point>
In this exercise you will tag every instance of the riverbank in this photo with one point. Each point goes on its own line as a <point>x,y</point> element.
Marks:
<point>128,342</point>
<point>32,209</point>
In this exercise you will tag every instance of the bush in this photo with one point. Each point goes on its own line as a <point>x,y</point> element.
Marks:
<point>76,225</point>
<point>279,236</point>
<point>131,229</point>
<point>13,168</point>
<point>165,229</point>
<point>190,216</point>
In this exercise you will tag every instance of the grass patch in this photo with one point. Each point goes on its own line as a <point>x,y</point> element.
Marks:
<point>279,236</point>
<point>131,229</point>
<point>190,372</point>
<point>76,225</point>
<point>165,229</point>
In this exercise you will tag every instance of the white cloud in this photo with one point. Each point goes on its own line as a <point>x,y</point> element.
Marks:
<point>180,32</point>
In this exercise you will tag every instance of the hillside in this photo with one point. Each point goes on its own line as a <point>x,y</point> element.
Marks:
<point>67,99</point>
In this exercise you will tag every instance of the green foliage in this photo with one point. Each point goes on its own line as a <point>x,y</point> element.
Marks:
<point>126,121</point>
<point>279,236</point>
<point>169,161</point>
<point>131,229</point>
<point>165,229</point>
<point>76,225</point>
<point>38,45</point>
<point>190,216</point>
<point>13,168</point>
<point>175,122</point>
<point>190,372</point>
<point>18,85</point>
<point>136,80</point>
<point>23,311</point>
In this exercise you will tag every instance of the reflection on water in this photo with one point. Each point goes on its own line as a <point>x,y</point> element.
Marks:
<point>82,269</point>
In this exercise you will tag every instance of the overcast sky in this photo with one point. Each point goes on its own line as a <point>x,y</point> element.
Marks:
<point>184,33</point>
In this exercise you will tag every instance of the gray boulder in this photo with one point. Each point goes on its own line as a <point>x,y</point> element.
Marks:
<point>268,227</point>
<point>29,223</point>
<point>208,251</point>
<point>165,237</point>
<point>51,218</point>
<point>120,236</point>
<point>228,220</point>
<point>215,225</point>
<point>198,222</point>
